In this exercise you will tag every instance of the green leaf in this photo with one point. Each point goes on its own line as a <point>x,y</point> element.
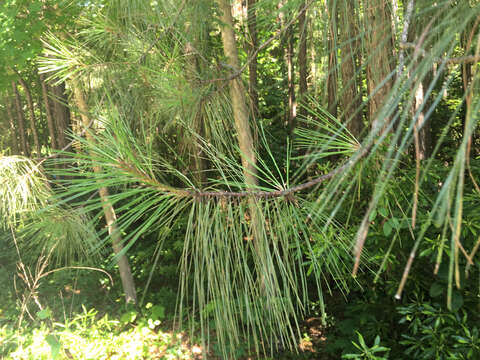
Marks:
<point>55,345</point>
<point>436,289</point>
<point>158,312</point>
<point>44,314</point>
<point>394,223</point>
<point>457,300</point>
<point>128,317</point>
<point>361,341</point>
<point>387,229</point>
<point>383,212</point>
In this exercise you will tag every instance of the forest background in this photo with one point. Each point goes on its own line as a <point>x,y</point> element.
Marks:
<point>247,179</point>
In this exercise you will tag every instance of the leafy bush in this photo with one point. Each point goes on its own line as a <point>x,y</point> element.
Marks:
<point>437,334</point>
<point>366,352</point>
<point>87,337</point>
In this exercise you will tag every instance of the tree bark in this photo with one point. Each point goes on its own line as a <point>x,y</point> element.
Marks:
<point>21,121</point>
<point>302,57</point>
<point>33,122</point>
<point>468,44</point>
<point>252,45</point>
<point>422,128</point>
<point>48,112</point>
<point>109,212</point>
<point>351,97</point>
<point>245,139</point>
<point>198,162</point>
<point>13,130</point>
<point>379,65</point>
<point>237,94</point>
<point>62,114</point>
<point>292,104</point>
<point>332,79</point>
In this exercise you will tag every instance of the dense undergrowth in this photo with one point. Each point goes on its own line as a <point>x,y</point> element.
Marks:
<point>79,313</point>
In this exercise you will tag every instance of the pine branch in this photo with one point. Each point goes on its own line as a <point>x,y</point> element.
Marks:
<point>198,194</point>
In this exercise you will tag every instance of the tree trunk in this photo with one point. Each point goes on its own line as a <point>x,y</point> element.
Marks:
<point>351,97</point>
<point>197,156</point>
<point>62,114</point>
<point>245,139</point>
<point>422,126</point>
<point>468,44</point>
<point>21,121</point>
<point>292,105</point>
<point>252,47</point>
<point>332,79</point>
<point>110,216</point>
<point>379,66</point>
<point>13,129</point>
<point>302,57</point>
<point>237,94</point>
<point>48,112</point>
<point>288,43</point>
<point>33,122</point>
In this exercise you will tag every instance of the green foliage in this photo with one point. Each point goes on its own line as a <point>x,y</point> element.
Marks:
<point>88,336</point>
<point>437,334</point>
<point>40,225</point>
<point>366,352</point>
<point>24,190</point>
<point>23,24</point>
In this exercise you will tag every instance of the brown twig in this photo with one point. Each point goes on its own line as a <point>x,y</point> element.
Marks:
<point>472,255</point>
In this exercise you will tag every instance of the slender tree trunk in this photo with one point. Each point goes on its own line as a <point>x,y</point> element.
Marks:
<point>48,112</point>
<point>62,114</point>
<point>292,104</point>
<point>237,94</point>
<point>245,139</point>
<point>379,65</point>
<point>13,129</point>
<point>422,131</point>
<point>351,98</point>
<point>332,79</point>
<point>41,117</point>
<point>468,43</point>
<point>252,47</point>
<point>314,68</point>
<point>33,122</point>
<point>422,126</point>
<point>302,57</point>
<point>21,121</point>
<point>288,43</point>
<point>195,149</point>
<point>110,216</point>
